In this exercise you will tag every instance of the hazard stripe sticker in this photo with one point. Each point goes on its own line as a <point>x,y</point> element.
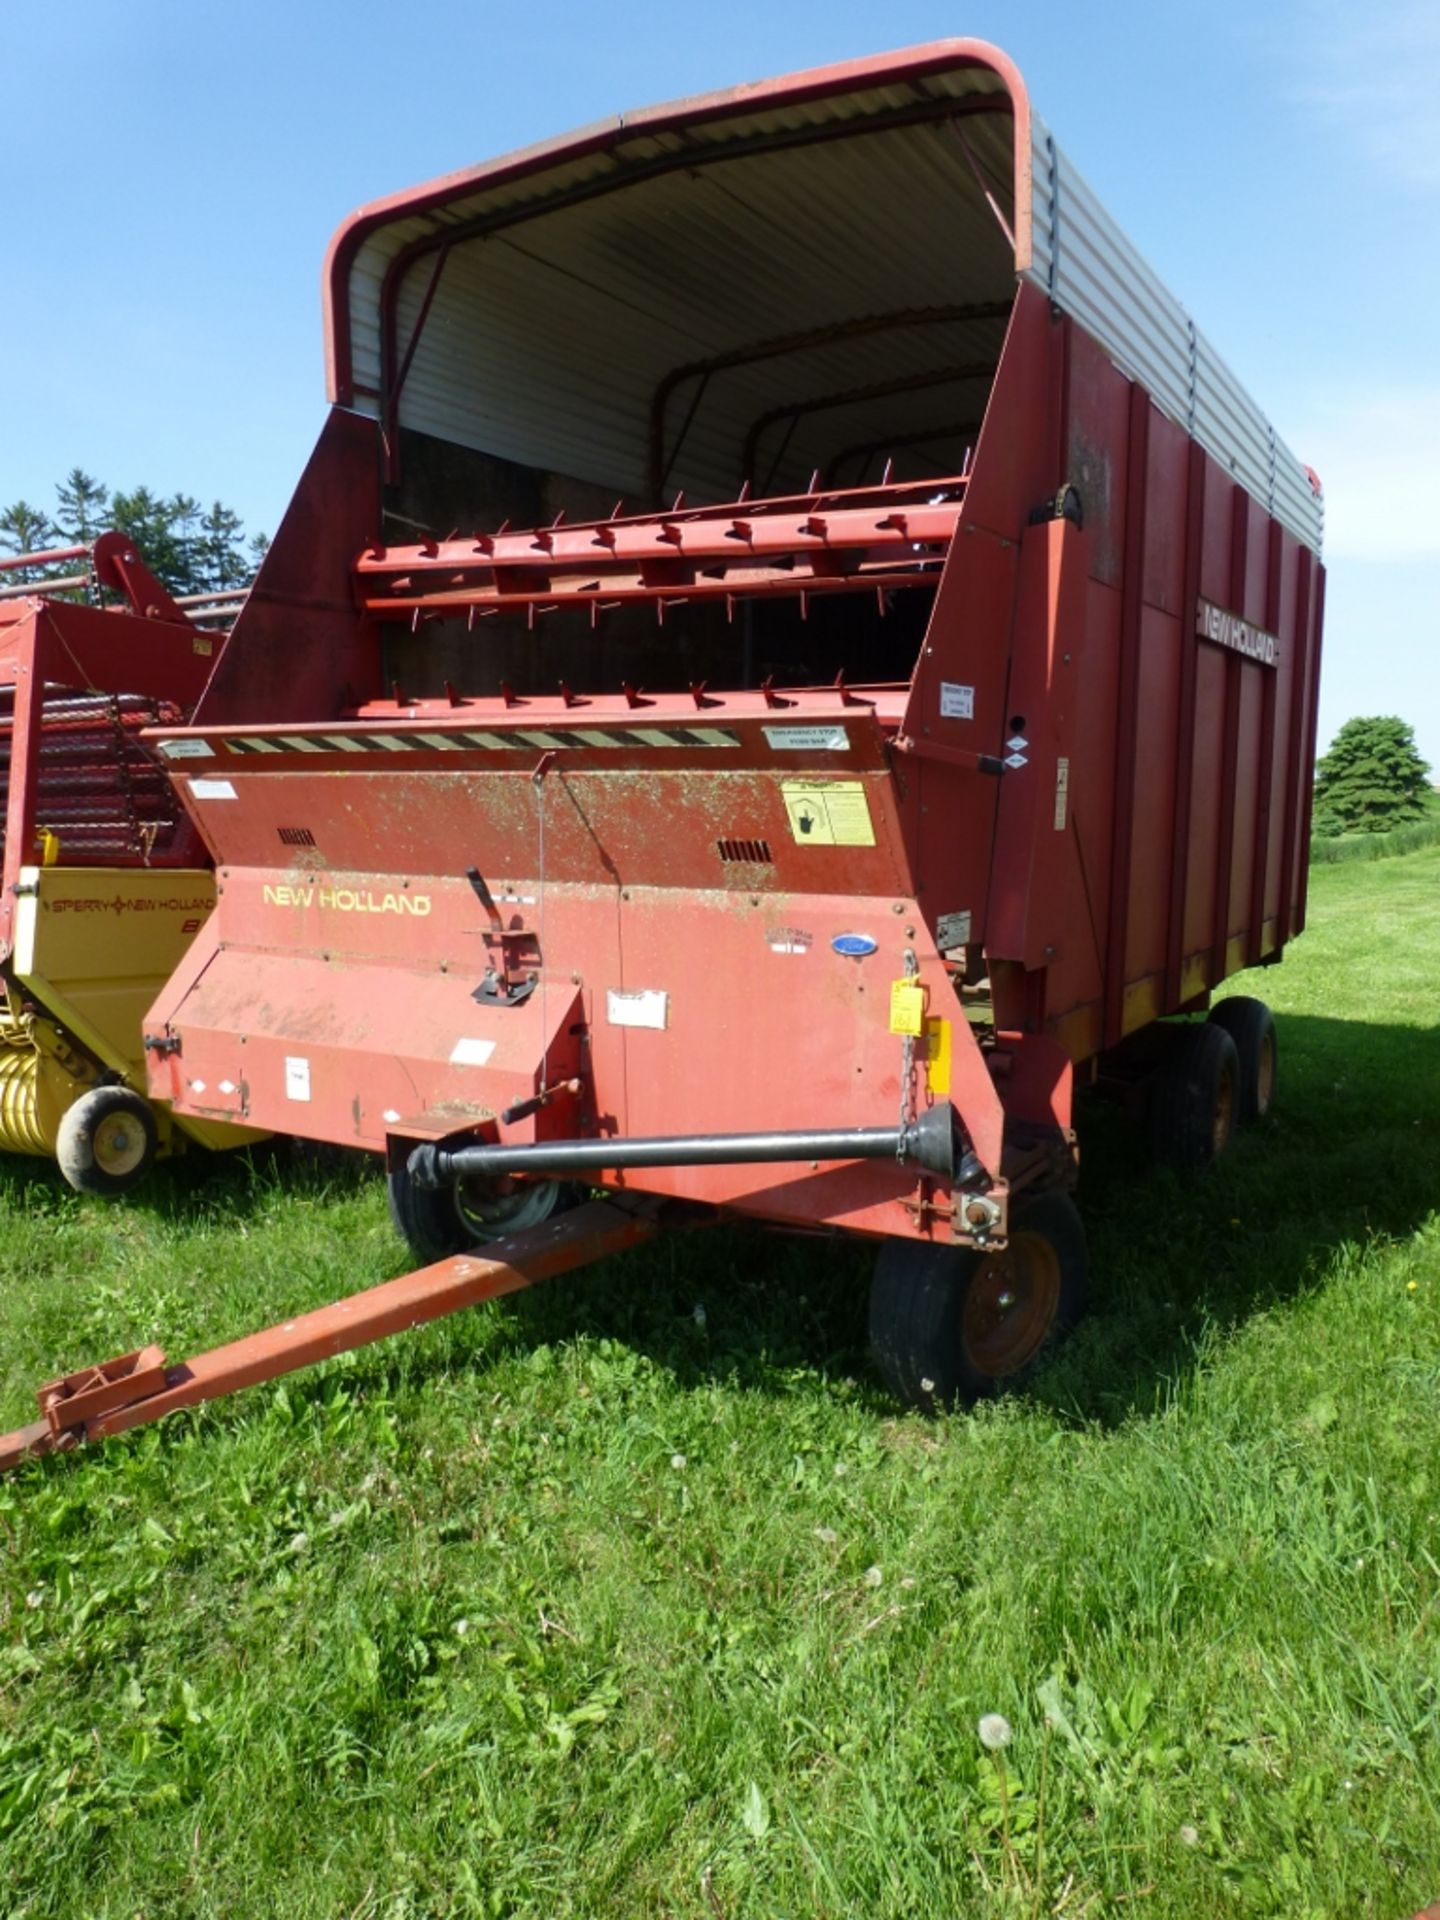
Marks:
<point>545,738</point>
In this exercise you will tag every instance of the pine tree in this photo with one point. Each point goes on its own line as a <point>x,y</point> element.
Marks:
<point>1371,780</point>
<point>221,558</point>
<point>25,529</point>
<point>84,508</point>
<point>192,551</point>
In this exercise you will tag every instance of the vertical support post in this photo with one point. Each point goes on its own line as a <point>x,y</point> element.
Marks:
<point>1312,661</point>
<point>1260,863</point>
<point>24,650</point>
<point>1185,723</point>
<point>1294,660</point>
<point>1235,666</point>
<point>1137,459</point>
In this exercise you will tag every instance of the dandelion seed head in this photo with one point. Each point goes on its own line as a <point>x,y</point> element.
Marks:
<point>827,1536</point>
<point>678,1462</point>
<point>995,1732</point>
<point>873,1576</point>
<point>1190,1835</point>
<point>299,1543</point>
<point>35,1599</point>
<point>698,1316</point>
<point>462,1627</point>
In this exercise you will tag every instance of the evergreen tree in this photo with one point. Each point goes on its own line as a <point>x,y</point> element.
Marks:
<point>221,558</point>
<point>189,549</point>
<point>25,529</point>
<point>1371,780</point>
<point>84,507</point>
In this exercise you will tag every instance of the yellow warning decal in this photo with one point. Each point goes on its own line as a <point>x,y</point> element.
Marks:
<point>828,813</point>
<point>937,1057</point>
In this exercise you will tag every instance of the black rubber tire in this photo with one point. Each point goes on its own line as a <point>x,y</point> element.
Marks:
<point>106,1141</point>
<point>433,1226</point>
<point>1194,1097</point>
<point>1251,1025</point>
<point>922,1298</point>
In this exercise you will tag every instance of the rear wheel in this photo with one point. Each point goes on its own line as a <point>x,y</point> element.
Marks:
<point>1251,1025</point>
<point>1195,1097</point>
<point>106,1141</point>
<point>951,1325</point>
<point>434,1223</point>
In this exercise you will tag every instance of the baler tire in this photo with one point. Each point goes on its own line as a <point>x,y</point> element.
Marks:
<point>1251,1025</point>
<point>953,1325</point>
<point>1195,1097</point>
<point>106,1141</point>
<point>432,1225</point>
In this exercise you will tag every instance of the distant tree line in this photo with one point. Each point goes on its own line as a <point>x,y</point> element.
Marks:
<point>192,549</point>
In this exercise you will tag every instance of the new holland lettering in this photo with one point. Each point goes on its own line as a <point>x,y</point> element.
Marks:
<point>1229,630</point>
<point>347,900</point>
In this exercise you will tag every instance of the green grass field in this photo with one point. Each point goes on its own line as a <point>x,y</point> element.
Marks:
<point>635,1596</point>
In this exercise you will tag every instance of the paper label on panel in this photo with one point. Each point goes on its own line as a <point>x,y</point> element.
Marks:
<point>471,1053</point>
<point>649,1007</point>
<point>956,702</point>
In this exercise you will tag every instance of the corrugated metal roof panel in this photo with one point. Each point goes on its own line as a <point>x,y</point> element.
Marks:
<point>1092,271</point>
<point>575,280</point>
<point>545,343</point>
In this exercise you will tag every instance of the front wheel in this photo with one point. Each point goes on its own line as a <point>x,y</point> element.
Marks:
<point>952,1325</point>
<point>440,1221</point>
<point>106,1141</point>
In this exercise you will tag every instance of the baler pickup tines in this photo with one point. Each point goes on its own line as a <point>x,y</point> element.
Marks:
<point>138,1388</point>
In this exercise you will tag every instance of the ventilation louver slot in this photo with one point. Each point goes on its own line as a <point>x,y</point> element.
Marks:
<point>296,836</point>
<point>755,853</point>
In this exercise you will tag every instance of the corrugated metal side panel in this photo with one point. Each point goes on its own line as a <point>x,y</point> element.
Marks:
<point>1092,272</point>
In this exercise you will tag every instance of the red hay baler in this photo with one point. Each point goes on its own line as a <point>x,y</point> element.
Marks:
<point>786,845</point>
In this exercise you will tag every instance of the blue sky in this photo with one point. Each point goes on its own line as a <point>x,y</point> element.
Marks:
<point>175,171</point>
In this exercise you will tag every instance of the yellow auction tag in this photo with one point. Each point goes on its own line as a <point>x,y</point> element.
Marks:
<point>907,1008</point>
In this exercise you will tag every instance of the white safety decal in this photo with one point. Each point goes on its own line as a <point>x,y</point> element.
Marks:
<point>808,739</point>
<point>187,750</point>
<point>1062,793</point>
<point>471,1053</point>
<point>650,1007</point>
<point>956,702</point>
<point>297,1077</point>
<point>952,930</point>
<point>212,789</point>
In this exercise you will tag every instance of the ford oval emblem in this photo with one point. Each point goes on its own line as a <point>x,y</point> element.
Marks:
<point>854,945</point>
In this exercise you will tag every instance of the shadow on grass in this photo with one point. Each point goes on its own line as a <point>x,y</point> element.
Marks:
<point>1350,1154</point>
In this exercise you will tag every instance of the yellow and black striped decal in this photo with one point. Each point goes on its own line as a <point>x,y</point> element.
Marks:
<point>485,741</point>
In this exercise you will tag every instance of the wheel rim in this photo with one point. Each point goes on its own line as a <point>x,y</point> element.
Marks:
<point>1265,1075</point>
<point>1224,1118</point>
<point>119,1145</point>
<point>1010,1306</point>
<point>487,1212</point>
